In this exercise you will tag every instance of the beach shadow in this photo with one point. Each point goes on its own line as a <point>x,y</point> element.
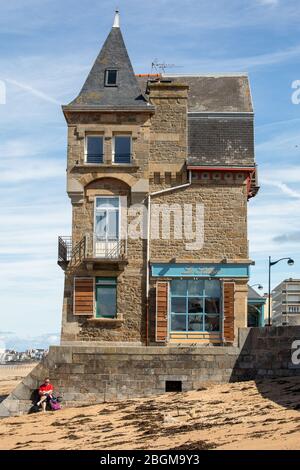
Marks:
<point>266,356</point>
<point>2,397</point>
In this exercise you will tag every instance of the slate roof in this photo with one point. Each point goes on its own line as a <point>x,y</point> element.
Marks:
<point>214,93</point>
<point>252,294</point>
<point>220,119</point>
<point>94,93</point>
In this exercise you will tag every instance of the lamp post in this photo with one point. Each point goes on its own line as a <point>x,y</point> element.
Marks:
<point>290,262</point>
<point>259,286</point>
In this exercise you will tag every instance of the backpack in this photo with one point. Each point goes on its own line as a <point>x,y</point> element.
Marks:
<point>54,405</point>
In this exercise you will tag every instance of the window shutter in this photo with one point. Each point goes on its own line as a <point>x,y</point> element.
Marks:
<point>161,331</point>
<point>83,296</point>
<point>228,308</point>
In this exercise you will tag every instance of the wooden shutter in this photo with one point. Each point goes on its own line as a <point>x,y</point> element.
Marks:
<point>162,294</point>
<point>83,296</point>
<point>228,308</point>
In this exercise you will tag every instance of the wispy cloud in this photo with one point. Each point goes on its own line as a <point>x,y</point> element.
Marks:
<point>283,187</point>
<point>268,2</point>
<point>33,91</point>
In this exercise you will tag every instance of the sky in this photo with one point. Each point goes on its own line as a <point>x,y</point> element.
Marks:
<point>46,51</point>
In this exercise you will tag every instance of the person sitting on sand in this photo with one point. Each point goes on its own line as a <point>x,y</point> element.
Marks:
<point>45,393</point>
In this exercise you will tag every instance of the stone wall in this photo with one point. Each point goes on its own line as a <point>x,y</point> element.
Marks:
<point>225,224</point>
<point>93,374</point>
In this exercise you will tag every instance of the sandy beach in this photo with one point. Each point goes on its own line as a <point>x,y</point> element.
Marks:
<point>248,415</point>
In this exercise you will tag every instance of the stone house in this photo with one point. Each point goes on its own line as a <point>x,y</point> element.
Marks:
<point>159,172</point>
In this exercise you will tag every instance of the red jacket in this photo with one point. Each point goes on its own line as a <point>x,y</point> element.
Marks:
<point>45,388</point>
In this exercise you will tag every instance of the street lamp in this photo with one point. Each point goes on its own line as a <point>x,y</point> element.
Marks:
<point>259,286</point>
<point>290,262</point>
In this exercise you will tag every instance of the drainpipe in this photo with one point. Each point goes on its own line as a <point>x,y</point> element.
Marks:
<point>162,191</point>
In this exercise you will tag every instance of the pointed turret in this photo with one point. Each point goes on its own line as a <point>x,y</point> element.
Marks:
<point>111,82</point>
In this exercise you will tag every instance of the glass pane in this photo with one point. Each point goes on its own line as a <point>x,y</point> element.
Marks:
<point>107,202</point>
<point>178,287</point>
<point>94,149</point>
<point>212,289</point>
<point>212,305</point>
<point>195,323</point>
<point>178,304</point>
<point>101,225</point>
<point>178,323</point>
<point>111,77</point>
<point>195,288</point>
<point>122,149</point>
<point>212,323</point>
<point>106,301</point>
<point>113,225</point>
<point>195,305</point>
<point>106,280</point>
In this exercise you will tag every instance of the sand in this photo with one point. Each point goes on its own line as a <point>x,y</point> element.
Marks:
<point>249,415</point>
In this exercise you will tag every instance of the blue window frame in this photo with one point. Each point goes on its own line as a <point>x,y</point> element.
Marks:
<point>122,149</point>
<point>195,305</point>
<point>94,149</point>
<point>106,297</point>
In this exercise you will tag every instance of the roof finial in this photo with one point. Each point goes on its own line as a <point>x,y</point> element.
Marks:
<point>117,19</point>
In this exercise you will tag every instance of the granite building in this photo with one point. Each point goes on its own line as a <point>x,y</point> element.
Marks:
<point>159,172</point>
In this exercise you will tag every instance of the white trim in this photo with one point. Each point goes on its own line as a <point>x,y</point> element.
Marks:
<point>74,282</point>
<point>167,333</point>
<point>90,134</point>
<point>119,218</point>
<point>117,134</point>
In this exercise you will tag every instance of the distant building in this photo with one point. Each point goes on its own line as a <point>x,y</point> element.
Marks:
<point>256,308</point>
<point>286,303</point>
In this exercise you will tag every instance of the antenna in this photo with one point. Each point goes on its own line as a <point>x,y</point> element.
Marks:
<point>160,67</point>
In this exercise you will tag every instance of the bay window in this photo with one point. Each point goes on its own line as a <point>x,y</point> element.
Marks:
<point>195,305</point>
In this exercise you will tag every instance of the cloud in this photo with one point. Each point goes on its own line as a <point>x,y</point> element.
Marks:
<point>268,2</point>
<point>21,343</point>
<point>288,237</point>
<point>283,187</point>
<point>33,91</point>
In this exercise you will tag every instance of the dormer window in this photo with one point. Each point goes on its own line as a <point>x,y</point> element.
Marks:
<point>111,76</point>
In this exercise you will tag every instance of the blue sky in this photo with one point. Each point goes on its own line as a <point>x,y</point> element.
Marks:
<point>46,50</point>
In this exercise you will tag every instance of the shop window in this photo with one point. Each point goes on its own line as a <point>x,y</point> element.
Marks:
<point>195,305</point>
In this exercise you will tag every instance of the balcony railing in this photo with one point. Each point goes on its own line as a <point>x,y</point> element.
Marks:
<point>109,249</point>
<point>122,157</point>
<point>94,158</point>
<point>64,249</point>
<point>89,248</point>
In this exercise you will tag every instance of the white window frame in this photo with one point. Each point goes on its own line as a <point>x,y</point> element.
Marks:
<point>113,148</point>
<point>119,209</point>
<point>106,76</point>
<point>86,148</point>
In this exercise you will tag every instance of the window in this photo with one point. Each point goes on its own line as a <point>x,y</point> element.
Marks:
<point>94,149</point>
<point>195,305</point>
<point>107,224</point>
<point>107,218</point>
<point>106,297</point>
<point>122,149</point>
<point>111,76</point>
<point>294,309</point>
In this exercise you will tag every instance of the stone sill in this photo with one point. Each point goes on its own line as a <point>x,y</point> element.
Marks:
<point>132,166</point>
<point>110,321</point>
